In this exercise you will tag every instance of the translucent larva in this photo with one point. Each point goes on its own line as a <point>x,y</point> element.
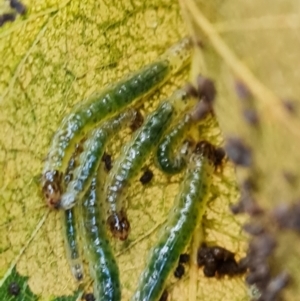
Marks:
<point>103,266</point>
<point>189,206</point>
<point>134,154</point>
<point>168,161</point>
<point>70,232</point>
<point>90,158</point>
<point>103,105</point>
<point>69,224</point>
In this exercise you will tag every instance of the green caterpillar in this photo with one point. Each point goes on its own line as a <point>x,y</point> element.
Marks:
<point>188,209</point>
<point>68,219</point>
<point>134,154</point>
<point>69,224</point>
<point>101,106</point>
<point>103,267</point>
<point>89,159</point>
<point>167,161</point>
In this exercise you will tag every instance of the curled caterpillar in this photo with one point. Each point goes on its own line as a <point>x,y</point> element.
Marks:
<point>103,267</point>
<point>133,156</point>
<point>189,207</point>
<point>102,105</point>
<point>167,161</point>
<point>90,158</point>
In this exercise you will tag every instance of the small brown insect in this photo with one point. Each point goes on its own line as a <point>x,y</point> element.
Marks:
<point>164,296</point>
<point>106,158</point>
<point>146,177</point>
<point>89,297</point>
<point>218,261</point>
<point>179,271</point>
<point>137,122</point>
<point>184,258</point>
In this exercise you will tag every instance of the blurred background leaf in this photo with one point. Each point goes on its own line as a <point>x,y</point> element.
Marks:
<point>256,45</point>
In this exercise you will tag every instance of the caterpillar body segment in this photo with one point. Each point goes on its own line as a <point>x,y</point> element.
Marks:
<point>166,158</point>
<point>69,227</point>
<point>90,158</point>
<point>188,209</point>
<point>103,267</point>
<point>134,154</point>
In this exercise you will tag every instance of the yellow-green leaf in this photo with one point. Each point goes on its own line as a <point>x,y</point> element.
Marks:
<point>52,58</point>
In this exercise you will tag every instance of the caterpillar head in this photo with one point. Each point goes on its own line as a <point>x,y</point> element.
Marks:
<point>52,188</point>
<point>119,225</point>
<point>215,154</point>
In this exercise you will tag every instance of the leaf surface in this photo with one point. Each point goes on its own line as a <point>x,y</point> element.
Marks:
<point>56,55</point>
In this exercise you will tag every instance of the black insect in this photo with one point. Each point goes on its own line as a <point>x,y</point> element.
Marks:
<point>164,296</point>
<point>205,89</point>
<point>179,271</point>
<point>218,261</point>
<point>18,6</point>
<point>106,158</point>
<point>14,289</point>
<point>219,154</point>
<point>184,258</point>
<point>89,297</point>
<point>238,152</point>
<point>210,267</point>
<point>228,267</point>
<point>146,177</point>
<point>7,17</point>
